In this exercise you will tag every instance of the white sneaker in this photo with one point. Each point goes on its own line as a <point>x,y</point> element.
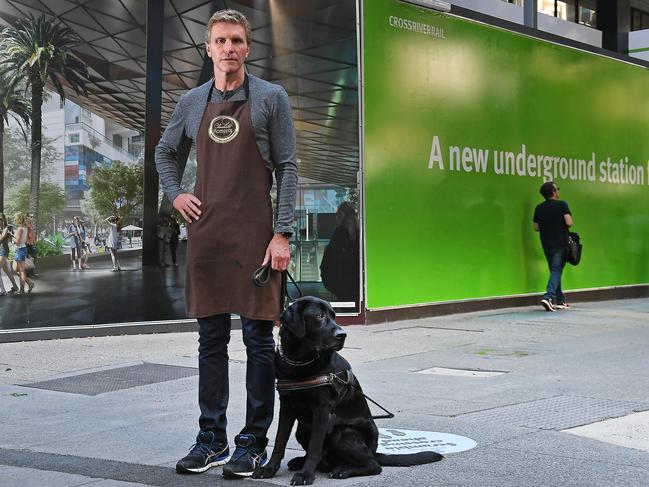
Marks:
<point>547,304</point>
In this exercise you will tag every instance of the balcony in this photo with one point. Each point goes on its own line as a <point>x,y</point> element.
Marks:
<point>82,134</point>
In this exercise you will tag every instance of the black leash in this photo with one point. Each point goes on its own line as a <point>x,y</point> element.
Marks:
<point>285,299</point>
<point>389,415</point>
<point>261,276</point>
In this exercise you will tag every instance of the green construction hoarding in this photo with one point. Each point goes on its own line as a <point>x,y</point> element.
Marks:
<point>463,122</point>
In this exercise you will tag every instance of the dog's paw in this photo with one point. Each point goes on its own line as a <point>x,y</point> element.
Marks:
<point>296,463</point>
<point>266,472</point>
<point>303,478</point>
<point>339,473</point>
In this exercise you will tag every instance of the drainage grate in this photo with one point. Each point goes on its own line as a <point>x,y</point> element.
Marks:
<point>557,413</point>
<point>95,383</point>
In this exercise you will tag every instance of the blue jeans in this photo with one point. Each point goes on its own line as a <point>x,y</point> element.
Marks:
<point>21,254</point>
<point>556,257</point>
<point>213,382</point>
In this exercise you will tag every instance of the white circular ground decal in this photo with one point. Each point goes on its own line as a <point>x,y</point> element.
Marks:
<point>408,441</point>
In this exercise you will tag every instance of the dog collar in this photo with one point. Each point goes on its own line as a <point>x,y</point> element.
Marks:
<point>294,363</point>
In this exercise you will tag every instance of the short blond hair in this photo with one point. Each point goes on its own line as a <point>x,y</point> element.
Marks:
<point>231,17</point>
<point>19,218</point>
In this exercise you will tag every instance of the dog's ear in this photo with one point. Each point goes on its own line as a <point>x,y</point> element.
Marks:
<point>293,319</point>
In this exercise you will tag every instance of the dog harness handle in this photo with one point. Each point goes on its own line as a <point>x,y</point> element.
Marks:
<point>329,380</point>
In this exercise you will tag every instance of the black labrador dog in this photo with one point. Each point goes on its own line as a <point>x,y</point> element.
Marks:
<point>318,390</point>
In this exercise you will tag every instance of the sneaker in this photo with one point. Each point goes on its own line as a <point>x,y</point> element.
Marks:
<point>31,286</point>
<point>547,304</point>
<point>562,306</point>
<point>246,458</point>
<point>206,453</point>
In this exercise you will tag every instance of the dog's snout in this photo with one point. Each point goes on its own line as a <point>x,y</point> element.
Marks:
<point>340,334</point>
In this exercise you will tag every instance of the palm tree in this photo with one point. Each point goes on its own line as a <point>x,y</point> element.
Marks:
<point>40,50</point>
<point>14,103</point>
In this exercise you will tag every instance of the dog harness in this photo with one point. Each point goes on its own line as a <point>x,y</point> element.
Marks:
<point>339,381</point>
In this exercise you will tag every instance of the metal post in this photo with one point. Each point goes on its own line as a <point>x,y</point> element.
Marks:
<point>152,125</point>
<point>530,13</point>
<point>614,20</point>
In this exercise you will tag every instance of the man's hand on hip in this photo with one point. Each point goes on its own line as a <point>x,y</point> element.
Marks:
<point>278,252</point>
<point>188,206</point>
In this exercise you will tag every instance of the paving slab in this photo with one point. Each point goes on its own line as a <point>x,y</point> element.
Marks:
<point>584,365</point>
<point>631,431</point>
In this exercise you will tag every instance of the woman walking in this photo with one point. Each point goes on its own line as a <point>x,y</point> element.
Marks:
<point>75,245</point>
<point>5,236</point>
<point>20,241</point>
<point>112,244</point>
<point>83,243</point>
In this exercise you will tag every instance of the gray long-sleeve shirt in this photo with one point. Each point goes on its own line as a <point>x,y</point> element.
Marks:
<point>272,122</point>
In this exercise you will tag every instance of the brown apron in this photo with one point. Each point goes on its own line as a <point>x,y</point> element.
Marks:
<point>229,240</point>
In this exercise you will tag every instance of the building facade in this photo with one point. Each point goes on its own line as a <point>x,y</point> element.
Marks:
<point>84,140</point>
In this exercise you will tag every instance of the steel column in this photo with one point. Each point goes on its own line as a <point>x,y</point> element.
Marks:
<point>530,13</point>
<point>152,126</point>
<point>614,20</point>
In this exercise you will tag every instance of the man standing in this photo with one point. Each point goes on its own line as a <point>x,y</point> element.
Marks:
<point>553,218</point>
<point>243,130</point>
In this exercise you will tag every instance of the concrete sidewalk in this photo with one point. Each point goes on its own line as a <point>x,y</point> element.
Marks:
<point>120,411</point>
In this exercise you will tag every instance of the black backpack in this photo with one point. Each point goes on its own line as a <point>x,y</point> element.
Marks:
<point>574,248</point>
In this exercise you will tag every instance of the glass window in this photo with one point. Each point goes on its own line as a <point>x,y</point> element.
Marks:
<point>74,138</point>
<point>72,152</point>
<point>564,10</point>
<point>117,140</point>
<point>326,243</point>
<point>588,13</point>
<point>639,19</point>
<point>546,7</point>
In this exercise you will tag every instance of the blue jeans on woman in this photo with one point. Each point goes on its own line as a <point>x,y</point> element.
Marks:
<point>213,381</point>
<point>556,257</point>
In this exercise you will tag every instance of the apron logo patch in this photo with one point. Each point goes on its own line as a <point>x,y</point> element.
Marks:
<point>223,129</point>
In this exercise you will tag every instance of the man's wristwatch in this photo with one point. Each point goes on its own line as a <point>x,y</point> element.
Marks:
<point>288,235</point>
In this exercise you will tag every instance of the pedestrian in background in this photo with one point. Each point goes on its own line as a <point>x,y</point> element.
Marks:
<point>173,239</point>
<point>164,236</point>
<point>83,243</point>
<point>340,261</point>
<point>552,218</point>
<point>113,241</point>
<point>75,245</point>
<point>5,237</point>
<point>20,239</point>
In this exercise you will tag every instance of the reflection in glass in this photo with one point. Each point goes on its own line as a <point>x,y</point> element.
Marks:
<point>340,261</point>
<point>327,234</point>
<point>78,144</point>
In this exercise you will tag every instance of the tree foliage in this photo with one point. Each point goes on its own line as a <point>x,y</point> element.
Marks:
<point>17,154</point>
<point>14,104</point>
<point>89,209</point>
<point>116,189</point>
<point>39,50</point>
<point>52,197</point>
